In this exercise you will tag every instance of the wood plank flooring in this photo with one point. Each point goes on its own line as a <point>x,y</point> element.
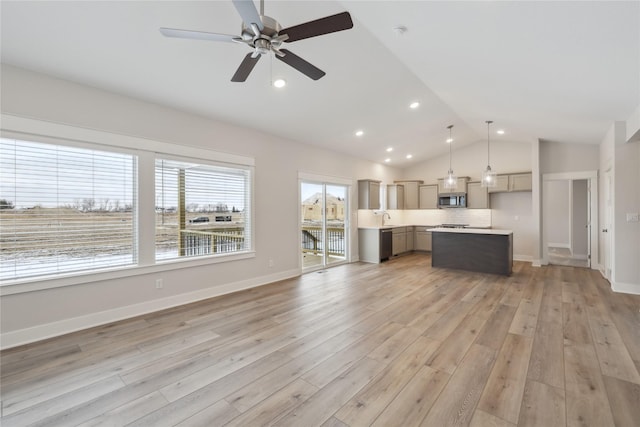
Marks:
<point>394,344</point>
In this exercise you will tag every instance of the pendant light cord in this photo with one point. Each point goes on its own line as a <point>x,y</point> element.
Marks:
<point>450,143</point>
<point>488,144</point>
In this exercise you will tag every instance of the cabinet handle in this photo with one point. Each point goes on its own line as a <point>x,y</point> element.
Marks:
<point>604,230</point>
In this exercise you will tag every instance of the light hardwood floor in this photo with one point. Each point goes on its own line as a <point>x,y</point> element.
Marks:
<point>395,344</point>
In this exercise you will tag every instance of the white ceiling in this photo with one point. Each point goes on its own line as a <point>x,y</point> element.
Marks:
<point>559,71</point>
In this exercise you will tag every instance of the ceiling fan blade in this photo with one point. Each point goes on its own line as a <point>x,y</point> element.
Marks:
<point>198,35</point>
<point>248,13</point>
<point>326,25</point>
<point>301,65</point>
<point>245,68</point>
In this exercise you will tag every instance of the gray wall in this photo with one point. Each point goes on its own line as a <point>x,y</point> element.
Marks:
<point>556,207</point>
<point>556,157</point>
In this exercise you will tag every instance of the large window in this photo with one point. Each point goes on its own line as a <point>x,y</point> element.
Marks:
<point>201,209</point>
<point>70,208</point>
<point>64,209</point>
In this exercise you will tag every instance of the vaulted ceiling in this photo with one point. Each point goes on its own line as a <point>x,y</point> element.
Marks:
<point>559,71</point>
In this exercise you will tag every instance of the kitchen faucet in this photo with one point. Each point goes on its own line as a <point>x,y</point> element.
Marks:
<point>388,216</point>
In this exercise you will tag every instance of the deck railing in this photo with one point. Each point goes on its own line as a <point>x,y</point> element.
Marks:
<point>312,240</point>
<point>207,242</point>
<point>211,242</point>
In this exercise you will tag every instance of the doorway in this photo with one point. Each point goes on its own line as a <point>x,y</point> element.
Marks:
<point>570,219</point>
<point>324,226</point>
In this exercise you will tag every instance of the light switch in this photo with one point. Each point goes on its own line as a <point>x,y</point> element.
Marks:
<point>632,217</point>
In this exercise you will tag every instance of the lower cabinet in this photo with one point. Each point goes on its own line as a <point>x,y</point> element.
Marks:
<point>410,238</point>
<point>399,240</point>
<point>422,241</point>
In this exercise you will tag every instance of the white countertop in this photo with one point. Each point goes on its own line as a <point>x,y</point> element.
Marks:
<point>386,227</point>
<point>472,231</point>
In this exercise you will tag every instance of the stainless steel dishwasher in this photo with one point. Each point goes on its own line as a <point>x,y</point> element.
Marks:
<point>386,243</point>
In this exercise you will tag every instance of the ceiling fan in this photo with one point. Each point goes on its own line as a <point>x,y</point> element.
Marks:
<point>265,35</point>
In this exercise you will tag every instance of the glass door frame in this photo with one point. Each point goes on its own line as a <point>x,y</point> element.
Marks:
<point>325,181</point>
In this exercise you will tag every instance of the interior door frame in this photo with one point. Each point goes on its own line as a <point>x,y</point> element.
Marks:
<point>606,269</point>
<point>592,190</point>
<point>314,178</point>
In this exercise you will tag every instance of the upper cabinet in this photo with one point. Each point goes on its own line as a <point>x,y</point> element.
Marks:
<point>368,194</point>
<point>520,182</point>
<point>512,182</point>
<point>395,196</point>
<point>461,186</point>
<point>477,196</point>
<point>428,196</point>
<point>411,193</point>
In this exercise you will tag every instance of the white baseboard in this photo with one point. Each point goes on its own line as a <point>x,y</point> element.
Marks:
<point>50,330</point>
<point>559,245</point>
<point>626,288</point>
<point>525,258</point>
<point>536,263</point>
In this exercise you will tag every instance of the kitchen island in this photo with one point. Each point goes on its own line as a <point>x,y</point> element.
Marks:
<point>473,249</point>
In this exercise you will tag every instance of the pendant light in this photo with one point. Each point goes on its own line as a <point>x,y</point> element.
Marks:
<point>488,176</point>
<point>450,181</point>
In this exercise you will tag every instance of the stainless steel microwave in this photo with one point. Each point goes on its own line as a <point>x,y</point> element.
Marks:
<point>452,200</point>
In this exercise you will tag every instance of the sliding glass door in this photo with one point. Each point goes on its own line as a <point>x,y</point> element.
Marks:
<point>324,224</point>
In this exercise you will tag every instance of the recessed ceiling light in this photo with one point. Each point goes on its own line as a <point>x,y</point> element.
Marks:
<point>449,140</point>
<point>500,132</point>
<point>414,105</point>
<point>390,149</point>
<point>359,133</point>
<point>409,156</point>
<point>279,83</point>
<point>387,160</point>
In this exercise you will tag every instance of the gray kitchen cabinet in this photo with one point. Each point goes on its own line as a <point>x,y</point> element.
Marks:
<point>411,193</point>
<point>410,238</point>
<point>428,196</point>
<point>399,242</point>
<point>502,184</point>
<point>461,188</point>
<point>477,196</point>
<point>395,196</point>
<point>368,194</point>
<point>422,239</point>
<point>520,182</point>
<point>512,182</point>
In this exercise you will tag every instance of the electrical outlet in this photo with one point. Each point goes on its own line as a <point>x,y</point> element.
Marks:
<point>271,263</point>
<point>159,284</point>
<point>632,217</point>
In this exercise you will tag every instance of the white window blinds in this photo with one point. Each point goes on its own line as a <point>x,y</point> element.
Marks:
<point>201,209</point>
<point>64,209</point>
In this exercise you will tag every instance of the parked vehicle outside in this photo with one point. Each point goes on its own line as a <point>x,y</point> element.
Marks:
<point>199,219</point>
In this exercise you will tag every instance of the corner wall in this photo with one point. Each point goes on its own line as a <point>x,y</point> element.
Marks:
<point>31,316</point>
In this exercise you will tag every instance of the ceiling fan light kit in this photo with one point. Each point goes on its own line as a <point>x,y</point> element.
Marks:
<point>265,35</point>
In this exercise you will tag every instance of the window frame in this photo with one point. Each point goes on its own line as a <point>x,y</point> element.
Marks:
<point>135,244</point>
<point>20,128</point>
<point>213,163</point>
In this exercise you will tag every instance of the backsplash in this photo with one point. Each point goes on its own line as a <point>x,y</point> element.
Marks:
<point>473,217</point>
